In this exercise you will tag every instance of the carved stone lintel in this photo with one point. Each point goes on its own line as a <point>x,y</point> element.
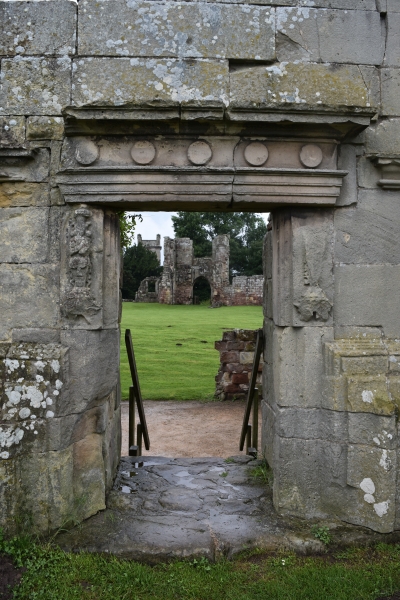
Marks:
<point>173,172</point>
<point>390,170</point>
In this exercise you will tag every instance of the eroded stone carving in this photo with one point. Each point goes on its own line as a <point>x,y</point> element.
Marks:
<point>87,152</point>
<point>311,156</point>
<point>143,152</point>
<point>78,300</point>
<point>315,254</point>
<point>256,154</point>
<point>199,153</point>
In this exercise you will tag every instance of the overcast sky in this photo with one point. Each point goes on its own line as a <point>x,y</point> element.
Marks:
<point>160,222</point>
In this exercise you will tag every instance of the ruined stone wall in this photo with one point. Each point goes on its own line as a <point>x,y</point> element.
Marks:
<point>153,245</point>
<point>288,106</point>
<point>236,350</point>
<point>145,293</point>
<point>181,270</point>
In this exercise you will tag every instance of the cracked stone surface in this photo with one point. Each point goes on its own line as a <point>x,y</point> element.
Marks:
<point>173,508</point>
<point>183,507</point>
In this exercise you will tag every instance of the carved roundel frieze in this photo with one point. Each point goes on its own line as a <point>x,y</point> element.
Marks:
<point>256,154</point>
<point>143,152</point>
<point>311,156</point>
<point>86,152</point>
<point>199,153</point>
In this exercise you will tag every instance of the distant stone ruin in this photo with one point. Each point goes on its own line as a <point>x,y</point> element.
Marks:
<point>153,245</point>
<point>182,270</point>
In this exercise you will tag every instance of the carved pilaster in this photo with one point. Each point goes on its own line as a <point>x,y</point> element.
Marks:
<point>81,277</point>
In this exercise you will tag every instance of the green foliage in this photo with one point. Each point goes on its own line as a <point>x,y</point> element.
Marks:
<point>127,224</point>
<point>139,262</point>
<point>263,473</point>
<point>185,372</point>
<point>246,231</point>
<point>353,574</point>
<point>322,534</point>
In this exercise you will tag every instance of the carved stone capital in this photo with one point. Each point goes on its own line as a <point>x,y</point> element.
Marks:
<point>390,171</point>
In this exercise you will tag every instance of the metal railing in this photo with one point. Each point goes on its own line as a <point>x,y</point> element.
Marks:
<point>135,396</point>
<point>249,433</point>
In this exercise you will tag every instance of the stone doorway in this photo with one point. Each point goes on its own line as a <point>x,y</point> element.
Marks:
<point>109,162</point>
<point>201,291</point>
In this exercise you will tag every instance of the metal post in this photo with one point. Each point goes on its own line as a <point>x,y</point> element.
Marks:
<point>255,419</point>
<point>139,438</point>
<point>248,438</point>
<point>131,417</point>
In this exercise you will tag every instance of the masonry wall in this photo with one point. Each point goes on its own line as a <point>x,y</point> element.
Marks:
<point>294,70</point>
<point>236,353</point>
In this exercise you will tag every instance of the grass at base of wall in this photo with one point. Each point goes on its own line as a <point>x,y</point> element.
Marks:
<point>353,574</point>
<point>174,347</point>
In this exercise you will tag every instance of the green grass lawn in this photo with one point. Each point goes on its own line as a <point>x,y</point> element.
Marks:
<point>174,347</point>
<point>354,574</point>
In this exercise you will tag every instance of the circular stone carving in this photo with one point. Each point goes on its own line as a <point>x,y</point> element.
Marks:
<point>199,153</point>
<point>143,152</point>
<point>86,152</point>
<point>311,156</point>
<point>256,154</point>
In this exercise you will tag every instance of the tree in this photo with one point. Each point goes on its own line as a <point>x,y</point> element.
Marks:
<point>139,263</point>
<point>246,231</point>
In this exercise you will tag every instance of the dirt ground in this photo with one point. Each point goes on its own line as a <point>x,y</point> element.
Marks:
<point>9,577</point>
<point>190,429</point>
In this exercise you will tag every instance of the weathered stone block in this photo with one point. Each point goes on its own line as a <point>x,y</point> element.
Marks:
<point>46,494</point>
<point>347,160</point>
<point>392,56</point>
<point>367,365</point>
<point>24,235</point>
<point>368,173</point>
<point>297,477</point>
<point>40,28</point>
<point>298,365</point>
<point>351,36</point>
<point>12,131</point>
<point>24,194</point>
<point>358,229</point>
<point>246,358</point>
<point>112,271</point>
<point>94,370</point>
<point>390,81</point>
<point>303,268</point>
<point>36,86</point>
<point>370,471</point>
<point>372,430</point>
<point>380,284</point>
<point>311,424</point>
<point>177,30</point>
<point>88,476</point>
<point>240,378</point>
<point>45,128</point>
<point>230,357</point>
<point>36,336</point>
<point>369,394</point>
<point>384,138</point>
<point>124,81</point>
<point>338,36</point>
<point>300,85</point>
<point>37,288</point>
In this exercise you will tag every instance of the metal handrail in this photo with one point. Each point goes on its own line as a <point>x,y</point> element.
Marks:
<point>249,434</point>
<point>135,396</point>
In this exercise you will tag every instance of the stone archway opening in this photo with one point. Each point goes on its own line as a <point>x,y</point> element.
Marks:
<point>201,291</point>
